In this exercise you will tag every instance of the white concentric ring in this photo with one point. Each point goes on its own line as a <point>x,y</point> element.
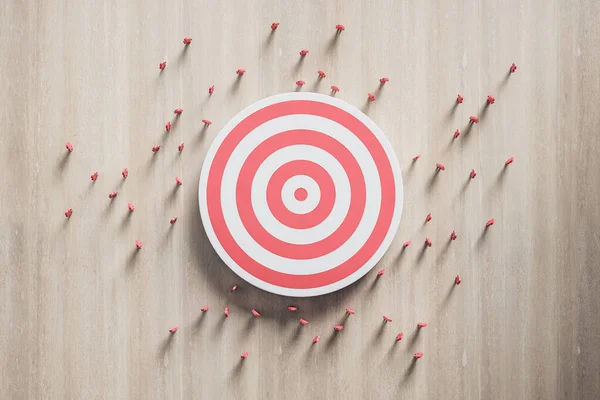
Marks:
<point>288,194</point>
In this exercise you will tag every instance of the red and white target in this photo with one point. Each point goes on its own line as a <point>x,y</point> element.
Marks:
<point>300,194</point>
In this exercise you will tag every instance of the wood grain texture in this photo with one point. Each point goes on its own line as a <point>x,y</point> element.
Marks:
<point>85,316</point>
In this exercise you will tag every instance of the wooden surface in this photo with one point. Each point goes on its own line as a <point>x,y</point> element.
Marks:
<point>83,316</point>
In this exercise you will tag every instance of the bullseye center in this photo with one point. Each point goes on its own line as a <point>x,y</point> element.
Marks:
<point>300,194</point>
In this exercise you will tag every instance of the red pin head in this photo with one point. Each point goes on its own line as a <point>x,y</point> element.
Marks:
<point>384,80</point>
<point>234,287</point>
<point>473,174</point>
<point>418,355</point>
<point>513,68</point>
<point>245,355</point>
<point>453,235</point>
<point>178,111</point>
<point>335,89</point>
<point>274,25</point>
<point>155,148</point>
<point>131,207</point>
<point>349,311</point>
<point>428,242</point>
<point>240,71</point>
<point>339,28</point>
<point>428,217</point>
<point>255,313</point>
<point>178,181</point>
<point>421,325</point>
<point>112,195</point>
<point>316,339</point>
<point>321,74</point>
<point>338,327</point>
<point>473,119</point>
<point>440,167</point>
<point>300,83</point>
<point>456,134</point>
<point>457,280</point>
<point>491,100</point>
<point>490,222</point>
<point>399,337</point>
<point>94,176</point>
<point>168,126</point>
<point>459,99</point>
<point>138,244</point>
<point>162,65</point>
<point>68,213</point>
<point>303,321</point>
<point>415,158</point>
<point>387,319</point>
<point>303,52</point>
<point>187,40</point>
<point>69,146</point>
<point>371,97</point>
<point>173,330</point>
<point>292,308</point>
<point>173,220</point>
<point>180,147</point>
<point>509,161</point>
<point>406,244</point>
<point>211,89</point>
<point>125,172</point>
<point>381,272</point>
<point>206,122</point>
<point>205,308</point>
<point>226,311</point>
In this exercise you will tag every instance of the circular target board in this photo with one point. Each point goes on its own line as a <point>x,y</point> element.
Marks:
<point>300,194</point>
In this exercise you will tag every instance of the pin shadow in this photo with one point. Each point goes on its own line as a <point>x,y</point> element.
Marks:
<point>126,220</point>
<point>298,65</point>
<point>62,163</point>
<point>451,112</point>
<point>482,237</point>
<point>422,253</point>
<point>378,334</point>
<point>164,347</point>
<point>269,40</point>
<point>448,294</point>
<point>432,180</point>
<point>233,89</point>
<point>198,323</point>
<point>414,338</point>
<point>332,42</point>
<point>410,369</point>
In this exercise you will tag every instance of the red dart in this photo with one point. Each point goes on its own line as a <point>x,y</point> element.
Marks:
<point>303,52</point>
<point>415,158</point>
<point>303,321</point>
<point>473,174</point>
<point>156,148</point>
<point>428,242</point>
<point>491,100</point>
<point>187,40</point>
<point>162,65</point>
<point>421,325</point>
<point>131,207</point>
<point>205,308</point>
<point>206,122</point>
<point>349,311</point>
<point>240,71</point>
<point>125,172</point>
<point>384,80</point>
<point>168,126</point>
<point>453,235</point>
<point>335,89</point>
<point>178,181</point>
<point>94,176</point>
<point>138,244</point>
<point>513,68</point>
<point>418,355</point>
<point>459,99</point>
<point>371,97</point>
<point>69,146</point>
<point>387,319</point>
<point>292,308</point>
<point>180,147</point>
<point>440,167</point>
<point>399,337</point>
<point>234,287</point>
<point>211,89</point>
<point>173,330</point>
<point>112,195</point>
<point>300,83</point>
<point>339,28</point>
<point>473,119</point>
<point>255,313</point>
<point>381,272</point>
<point>274,25</point>
<point>509,161</point>
<point>406,244</point>
<point>226,311</point>
<point>173,220</point>
<point>457,134</point>
<point>178,111</point>
<point>428,217</point>
<point>68,213</point>
<point>457,280</point>
<point>338,327</point>
<point>316,339</point>
<point>321,74</point>
<point>490,222</point>
<point>245,355</point>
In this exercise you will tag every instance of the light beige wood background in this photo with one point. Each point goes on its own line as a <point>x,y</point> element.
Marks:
<point>83,316</point>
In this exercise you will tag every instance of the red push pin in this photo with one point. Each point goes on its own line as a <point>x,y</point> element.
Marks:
<point>240,71</point>
<point>428,217</point>
<point>226,312</point>
<point>245,355</point>
<point>316,339</point>
<point>274,25</point>
<point>473,174</point>
<point>350,312</point>
<point>457,134</point>
<point>69,146</point>
<point>406,244</point>
<point>156,148</point>
<point>513,68</point>
<point>94,176</point>
<point>473,119</point>
<point>340,28</point>
<point>162,65</point>
<point>509,161</point>
<point>303,321</point>
<point>168,126</point>
<point>211,89</point>
<point>205,308</point>
<point>173,330</point>
<point>138,244</point>
<point>321,74</point>
<point>300,83</point>
<point>457,280</point>
<point>180,147</point>
<point>234,287</point>
<point>384,80</point>
<point>125,172</point>
<point>459,99</point>
<point>338,327</point>
<point>173,220</point>
<point>440,167</point>
<point>428,242</point>
<point>335,89</point>
<point>453,235</point>
<point>399,337</point>
<point>415,158</point>
<point>490,223</point>
<point>371,97</point>
<point>381,272</point>
<point>178,111</point>
<point>206,122</point>
<point>112,195</point>
<point>303,52</point>
<point>68,213</point>
<point>421,325</point>
<point>418,355</point>
<point>255,313</point>
<point>178,181</point>
<point>292,308</point>
<point>131,207</point>
<point>187,40</point>
<point>387,319</point>
<point>491,100</point>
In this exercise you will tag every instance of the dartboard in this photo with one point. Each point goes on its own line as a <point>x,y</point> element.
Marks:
<point>300,194</point>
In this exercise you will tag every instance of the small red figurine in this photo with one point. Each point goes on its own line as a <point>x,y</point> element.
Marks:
<point>303,321</point>
<point>457,134</point>
<point>168,126</point>
<point>428,242</point>
<point>371,97</point>
<point>68,213</point>
<point>490,222</point>
<point>387,319</point>
<point>491,100</point>
<point>335,89</point>
<point>399,337</point>
<point>339,28</point>
<point>384,80</point>
<point>69,146</point>
<point>156,148</point>
<point>457,280</point>
<point>513,68</point>
<point>338,327</point>
<point>125,172</point>
<point>428,217</point>
<point>211,89</point>
<point>316,339</point>
<point>321,74</point>
<point>406,244</point>
<point>234,287</point>
<point>138,244</point>
<point>473,119</point>
<point>274,25</point>
<point>303,52</point>
<point>300,83</point>
<point>180,147</point>
<point>178,181</point>
<point>350,312</point>
<point>509,161</point>
<point>418,355</point>
<point>255,313</point>
<point>205,308</point>
<point>206,122</point>
<point>415,158</point>
<point>440,167</point>
<point>459,99</point>
<point>187,40</point>
<point>381,272</point>
<point>240,71</point>
<point>173,220</point>
<point>292,308</point>
<point>112,195</point>
<point>178,111</point>
<point>245,355</point>
<point>162,65</point>
<point>173,330</point>
<point>226,312</point>
<point>131,207</point>
<point>473,174</point>
<point>453,235</point>
<point>421,325</point>
<point>94,176</point>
